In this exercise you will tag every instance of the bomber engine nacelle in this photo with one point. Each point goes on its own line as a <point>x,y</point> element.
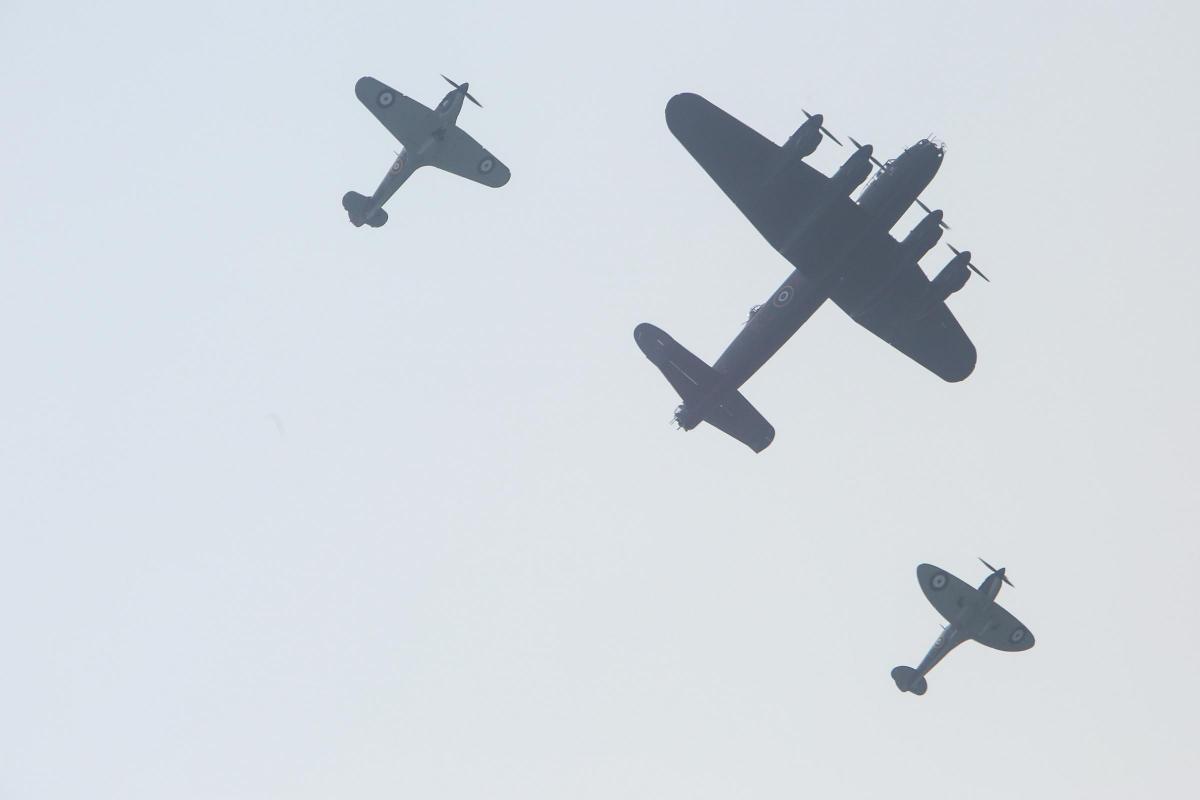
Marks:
<point>854,171</point>
<point>806,138</point>
<point>952,278</point>
<point>924,236</point>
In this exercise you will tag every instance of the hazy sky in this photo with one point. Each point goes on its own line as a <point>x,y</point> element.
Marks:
<point>478,562</point>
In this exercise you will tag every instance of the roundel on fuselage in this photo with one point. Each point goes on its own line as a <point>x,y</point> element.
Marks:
<point>385,98</point>
<point>938,581</point>
<point>783,296</point>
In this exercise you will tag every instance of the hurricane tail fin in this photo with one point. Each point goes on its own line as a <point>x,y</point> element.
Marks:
<point>357,205</point>
<point>909,680</point>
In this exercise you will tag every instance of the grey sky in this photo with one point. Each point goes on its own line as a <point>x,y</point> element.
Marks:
<point>480,563</point>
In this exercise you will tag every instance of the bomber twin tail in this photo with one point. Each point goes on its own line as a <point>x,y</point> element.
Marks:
<point>428,137</point>
<point>971,614</point>
<point>839,249</point>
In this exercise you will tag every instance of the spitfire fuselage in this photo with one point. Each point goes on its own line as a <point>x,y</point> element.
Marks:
<point>969,623</point>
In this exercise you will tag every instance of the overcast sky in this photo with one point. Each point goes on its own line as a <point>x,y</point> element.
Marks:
<point>297,510</point>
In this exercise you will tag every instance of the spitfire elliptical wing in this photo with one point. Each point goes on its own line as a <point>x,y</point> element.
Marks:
<point>406,119</point>
<point>1003,631</point>
<point>461,155</point>
<point>946,593</point>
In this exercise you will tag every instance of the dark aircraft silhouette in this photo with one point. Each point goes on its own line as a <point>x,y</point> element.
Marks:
<point>428,137</point>
<point>972,614</point>
<point>840,249</point>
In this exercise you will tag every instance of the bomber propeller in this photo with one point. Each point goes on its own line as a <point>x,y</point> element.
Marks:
<point>974,269</point>
<point>824,130</point>
<point>874,160</point>
<point>986,564</point>
<point>463,88</point>
<point>928,210</point>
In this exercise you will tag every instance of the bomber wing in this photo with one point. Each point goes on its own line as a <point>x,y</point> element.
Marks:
<point>946,593</point>
<point>463,156</point>
<point>406,119</point>
<point>892,299</point>
<point>1003,631</point>
<point>773,192</point>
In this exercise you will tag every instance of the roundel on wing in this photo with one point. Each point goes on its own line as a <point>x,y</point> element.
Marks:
<point>784,296</point>
<point>1017,636</point>
<point>385,98</point>
<point>487,165</point>
<point>938,581</point>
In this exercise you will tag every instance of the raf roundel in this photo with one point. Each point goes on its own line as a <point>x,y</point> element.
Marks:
<point>1017,636</point>
<point>783,296</point>
<point>938,581</point>
<point>487,165</point>
<point>385,98</point>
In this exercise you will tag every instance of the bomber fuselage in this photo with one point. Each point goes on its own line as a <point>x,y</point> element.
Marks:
<point>828,235</point>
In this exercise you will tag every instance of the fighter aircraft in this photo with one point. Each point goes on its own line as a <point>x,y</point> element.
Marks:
<point>840,250</point>
<point>428,137</point>
<point>972,614</point>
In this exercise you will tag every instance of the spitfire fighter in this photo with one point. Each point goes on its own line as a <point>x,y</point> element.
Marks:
<point>839,249</point>
<point>972,614</point>
<point>428,137</point>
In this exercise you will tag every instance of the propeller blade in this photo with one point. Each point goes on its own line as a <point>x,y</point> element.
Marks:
<point>824,130</point>
<point>874,160</point>
<point>993,569</point>
<point>976,270</point>
<point>928,210</point>
<point>459,86</point>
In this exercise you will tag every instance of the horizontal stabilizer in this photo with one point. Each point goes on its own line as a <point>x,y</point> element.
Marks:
<point>704,396</point>
<point>691,378</point>
<point>356,206</point>
<point>734,415</point>
<point>908,680</point>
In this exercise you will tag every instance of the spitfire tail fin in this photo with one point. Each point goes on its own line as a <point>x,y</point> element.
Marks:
<point>909,680</point>
<point>705,398</point>
<point>356,206</point>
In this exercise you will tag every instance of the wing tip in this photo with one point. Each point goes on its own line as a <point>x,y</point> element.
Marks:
<point>679,106</point>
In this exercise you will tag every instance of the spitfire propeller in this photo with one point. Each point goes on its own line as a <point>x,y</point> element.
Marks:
<point>1003,577</point>
<point>463,88</point>
<point>974,269</point>
<point>824,130</point>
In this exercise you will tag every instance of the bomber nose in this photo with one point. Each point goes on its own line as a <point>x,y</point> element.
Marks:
<point>464,87</point>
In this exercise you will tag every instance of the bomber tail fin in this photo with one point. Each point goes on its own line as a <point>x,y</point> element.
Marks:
<point>909,680</point>
<point>356,206</point>
<point>700,386</point>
